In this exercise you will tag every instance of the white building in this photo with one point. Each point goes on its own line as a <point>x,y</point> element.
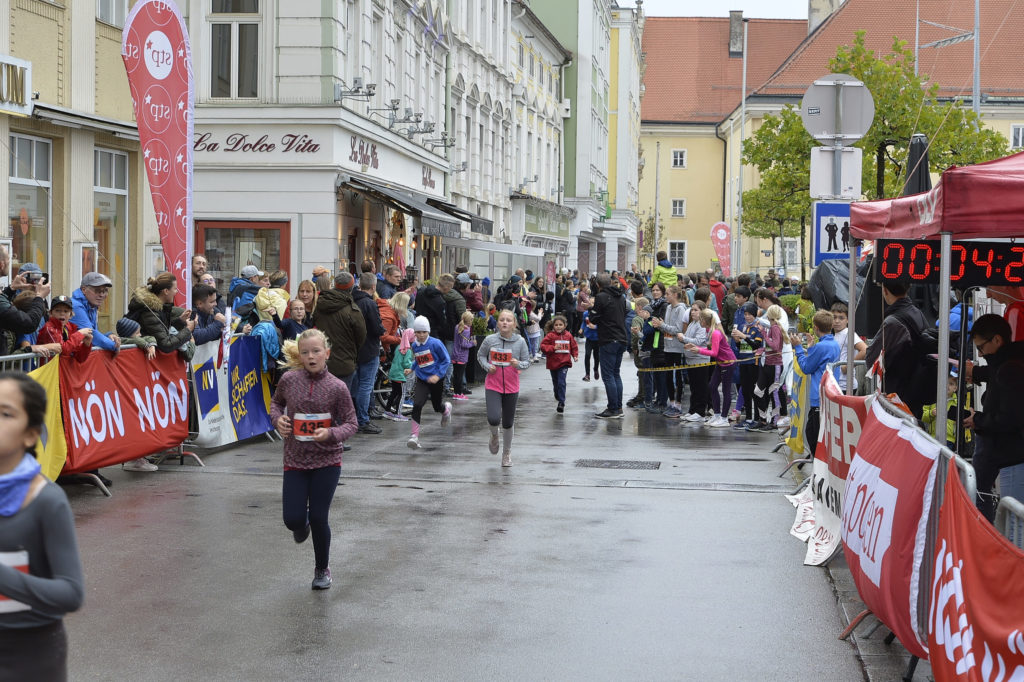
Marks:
<point>316,134</point>
<point>538,62</point>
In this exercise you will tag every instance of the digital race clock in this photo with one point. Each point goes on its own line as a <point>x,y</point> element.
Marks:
<point>973,263</point>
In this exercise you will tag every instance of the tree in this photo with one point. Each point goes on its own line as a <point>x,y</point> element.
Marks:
<point>905,104</point>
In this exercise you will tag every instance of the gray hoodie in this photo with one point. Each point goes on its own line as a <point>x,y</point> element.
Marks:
<point>676,318</point>
<point>506,377</point>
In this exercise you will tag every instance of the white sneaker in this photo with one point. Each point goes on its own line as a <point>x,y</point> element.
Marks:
<point>694,417</point>
<point>718,422</point>
<point>493,445</point>
<point>506,458</point>
<point>446,417</point>
<point>413,442</point>
<point>782,422</point>
<point>139,464</point>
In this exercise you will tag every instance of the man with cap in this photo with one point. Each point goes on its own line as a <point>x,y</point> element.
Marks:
<point>470,291</point>
<point>86,302</point>
<point>244,289</point>
<point>12,319</point>
<point>338,317</point>
<point>368,356</point>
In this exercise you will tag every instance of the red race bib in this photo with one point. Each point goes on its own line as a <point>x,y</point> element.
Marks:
<point>305,425</point>
<point>501,358</point>
<point>424,358</point>
<point>18,560</point>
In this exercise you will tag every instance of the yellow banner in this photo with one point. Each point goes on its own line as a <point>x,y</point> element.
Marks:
<point>798,406</point>
<point>52,447</point>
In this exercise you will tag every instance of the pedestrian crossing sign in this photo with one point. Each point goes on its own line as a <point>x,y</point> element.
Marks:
<point>831,234</point>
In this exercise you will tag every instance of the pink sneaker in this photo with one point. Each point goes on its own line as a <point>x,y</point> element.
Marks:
<point>460,396</point>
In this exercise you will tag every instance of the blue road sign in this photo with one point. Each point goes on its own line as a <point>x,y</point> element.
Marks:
<point>830,236</point>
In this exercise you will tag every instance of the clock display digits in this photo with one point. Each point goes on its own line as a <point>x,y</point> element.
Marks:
<point>958,252</point>
<point>893,253</point>
<point>1018,251</point>
<point>916,272</point>
<point>980,261</point>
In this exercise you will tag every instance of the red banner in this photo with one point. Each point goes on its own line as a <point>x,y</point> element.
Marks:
<point>118,407</point>
<point>721,238</point>
<point>886,504</point>
<point>158,58</point>
<point>842,419</point>
<point>976,619</point>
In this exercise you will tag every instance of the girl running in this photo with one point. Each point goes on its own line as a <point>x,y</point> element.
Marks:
<point>590,348</point>
<point>464,341</point>
<point>398,373</point>
<point>559,346</point>
<point>430,364</point>
<point>40,572</point>
<point>313,410</point>
<point>504,355</point>
<point>721,373</point>
<point>533,330</point>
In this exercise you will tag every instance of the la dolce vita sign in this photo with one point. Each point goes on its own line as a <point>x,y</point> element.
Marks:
<point>15,86</point>
<point>294,143</point>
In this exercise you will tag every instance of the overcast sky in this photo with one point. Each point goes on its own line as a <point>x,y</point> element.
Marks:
<point>761,9</point>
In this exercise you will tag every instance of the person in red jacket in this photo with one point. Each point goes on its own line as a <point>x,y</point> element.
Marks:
<point>717,288</point>
<point>561,351</point>
<point>389,320</point>
<point>61,336</point>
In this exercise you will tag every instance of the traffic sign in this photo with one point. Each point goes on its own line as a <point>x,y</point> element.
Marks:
<point>822,169</point>
<point>830,235</point>
<point>837,107</point>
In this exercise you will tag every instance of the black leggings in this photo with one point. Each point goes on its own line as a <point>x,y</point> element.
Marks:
<point>395,399</point>
<point>673,389</point>
<point>419,398</point>
<point>699,378</point>
<point>748,378</point>
<point>306,498</point>
<point>501,408</point>
<point>590,348</point>
<point>458,377</point>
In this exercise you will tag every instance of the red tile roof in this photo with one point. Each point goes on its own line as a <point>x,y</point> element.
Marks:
<point>1002,51</point>
<point>690,77</point>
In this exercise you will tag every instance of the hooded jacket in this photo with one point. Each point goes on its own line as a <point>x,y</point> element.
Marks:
<point>340,319</point>
<point>431,305</point>
<point>370,347</point>
<point>1002,410</point>
<point>241,291</point>
<point>158,319</point>
<point>84,315</point>
<point>609,315</point>
<point>665,273</point>
<point>18,322</point>
<point>514,351</point>
<point>388,320</point>
<point>454,306</point>
<point>559,349</point>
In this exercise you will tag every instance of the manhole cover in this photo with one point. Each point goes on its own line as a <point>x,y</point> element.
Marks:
<point>616,464</point>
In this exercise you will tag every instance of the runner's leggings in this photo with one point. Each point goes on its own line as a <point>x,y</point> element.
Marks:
<point>306,498</point>
<point>395,399</point>
<point>420,394</point>
<point>590,348</point>
<point>501,408</point>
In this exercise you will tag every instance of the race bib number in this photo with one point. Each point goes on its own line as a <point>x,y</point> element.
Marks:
<point>305,425</point>
<point>501,358</point>
<point>561,345</point>
<point>19,562</point>
<point>424,358</point>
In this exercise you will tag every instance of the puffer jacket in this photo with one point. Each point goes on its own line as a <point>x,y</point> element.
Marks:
<point>389,320</point>
<point>160,320</point>
<point>340,319</point>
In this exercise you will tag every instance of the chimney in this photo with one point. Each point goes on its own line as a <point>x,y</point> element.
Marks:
<point>818,11</point>
<point>736,33</point>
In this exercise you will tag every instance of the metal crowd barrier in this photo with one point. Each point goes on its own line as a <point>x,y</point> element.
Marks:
<point>19,362</point>
<point>1010,520</point>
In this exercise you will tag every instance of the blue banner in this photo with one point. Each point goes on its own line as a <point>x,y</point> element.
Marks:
<point>248,388</point>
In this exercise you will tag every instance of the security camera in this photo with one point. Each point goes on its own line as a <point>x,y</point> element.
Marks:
<point>395,103</point>
<point>371,89</point>
<point>357,83</point>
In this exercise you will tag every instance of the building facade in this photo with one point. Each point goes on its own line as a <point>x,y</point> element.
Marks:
<point>66,117</point>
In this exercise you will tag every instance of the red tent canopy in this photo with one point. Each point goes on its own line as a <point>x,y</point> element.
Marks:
<point>984,200</point>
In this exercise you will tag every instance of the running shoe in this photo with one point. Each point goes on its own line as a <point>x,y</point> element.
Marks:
<point>459,396</point>
<point>300,535</point>
<point>395,417</point>
<point>782,422</point>
<point>493,444</point>
<point>506,458</point>
<point>718,422</point>
<point>694,418</point>
<point>656,409</point>
<point>673,413</point>
<point>586,377</point>
<point>756,426</point>
<point>413,442</point>
<point>139,464</point>
<point>446,417</point>
<point>322,579</point>
<point>607,414</point>
<point>369,427</point>
<point>561,408</point>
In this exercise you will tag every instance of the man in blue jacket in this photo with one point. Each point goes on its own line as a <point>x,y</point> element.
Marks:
<point>813,363</point>
<point>86,302</point>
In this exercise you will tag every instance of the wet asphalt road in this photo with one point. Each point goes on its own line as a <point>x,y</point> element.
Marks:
<point>448,567</point>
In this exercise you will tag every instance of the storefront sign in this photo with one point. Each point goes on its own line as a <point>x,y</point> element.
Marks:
<point>481,226</point>
<point>296,143</point>
<point>363,152</point>
<point>428,178</point>
<point>15,86</point>
<point>547,223</point>
<point>440,228</point>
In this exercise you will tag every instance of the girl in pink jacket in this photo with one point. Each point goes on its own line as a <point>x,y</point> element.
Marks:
<point>721,352</point>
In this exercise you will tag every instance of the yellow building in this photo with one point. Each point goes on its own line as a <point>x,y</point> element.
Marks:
<point>76,198</point>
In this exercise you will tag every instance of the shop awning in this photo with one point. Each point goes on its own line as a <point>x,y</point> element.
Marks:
<point>433,221</point>
<point>69,118</point>
<point>477,224</point>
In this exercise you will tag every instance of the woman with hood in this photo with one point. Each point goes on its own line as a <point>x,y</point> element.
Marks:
<point>152,306</point>
<point>503,355</point>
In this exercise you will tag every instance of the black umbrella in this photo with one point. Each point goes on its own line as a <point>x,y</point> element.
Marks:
<point>918,178</point>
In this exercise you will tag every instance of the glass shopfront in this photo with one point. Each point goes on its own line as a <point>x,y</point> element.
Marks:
<point>27,236</point>
<point>110,232</point>
<point>229,246</point>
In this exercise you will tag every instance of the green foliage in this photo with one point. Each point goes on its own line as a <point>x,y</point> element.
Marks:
<point>904,105</point>
<point>479,327</point>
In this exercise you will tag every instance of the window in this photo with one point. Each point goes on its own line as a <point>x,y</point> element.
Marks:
<point>1016,136</point>
<point>522,56</point>
<point>110,226</point>
<point>112,12</point>
<point>531,65</point>
<point>677,254</point>
<point>679,208</point>
<point>234,49</point>
<point>28,215</point>
<point>790,255</point>
<point>679,158</point>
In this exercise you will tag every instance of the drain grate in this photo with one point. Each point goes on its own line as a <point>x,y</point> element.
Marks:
<point>616,464</point>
